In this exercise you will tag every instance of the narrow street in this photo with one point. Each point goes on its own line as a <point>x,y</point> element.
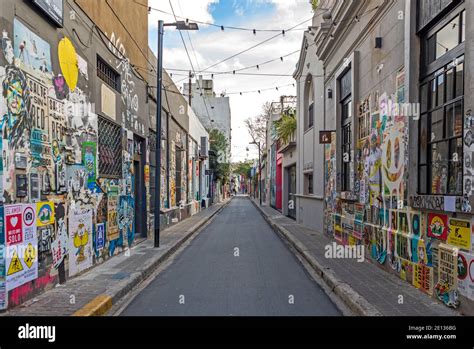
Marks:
<point>212,277</point>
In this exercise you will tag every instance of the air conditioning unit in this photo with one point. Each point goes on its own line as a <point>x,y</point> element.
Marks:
<point>204,151</point>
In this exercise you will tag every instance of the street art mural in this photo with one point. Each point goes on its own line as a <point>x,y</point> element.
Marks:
<point>417,237</point>
<point>59,213</point>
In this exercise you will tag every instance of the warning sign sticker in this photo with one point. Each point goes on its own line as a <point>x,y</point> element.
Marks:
<point>21,258</point>
<point>15,264</point>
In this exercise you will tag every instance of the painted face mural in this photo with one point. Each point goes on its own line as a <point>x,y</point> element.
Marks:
<point>16,94</point>
<point>60,87</point>
<point>393,169</point>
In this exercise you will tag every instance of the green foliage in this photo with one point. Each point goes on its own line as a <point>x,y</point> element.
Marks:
<point>314,5</point>
<point>286,126</point>
<point>243,168</point>
<point>218,161</point>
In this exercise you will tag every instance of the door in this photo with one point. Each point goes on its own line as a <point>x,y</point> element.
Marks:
<point>139,188</point>
<point>291,192</point>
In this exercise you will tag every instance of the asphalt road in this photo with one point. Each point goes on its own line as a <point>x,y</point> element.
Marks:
<point>236,266</point>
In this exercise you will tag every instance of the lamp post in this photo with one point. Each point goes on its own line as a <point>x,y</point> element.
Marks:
<point>259,173</point>
<point>180,25</point>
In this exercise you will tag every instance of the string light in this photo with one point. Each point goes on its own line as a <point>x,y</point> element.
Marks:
<point>213,24</point>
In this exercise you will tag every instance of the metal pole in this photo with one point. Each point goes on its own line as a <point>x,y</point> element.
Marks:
<point>259,175</point>
<point>159,81</point>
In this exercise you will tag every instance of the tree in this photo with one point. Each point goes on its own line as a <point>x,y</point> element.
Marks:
<point>286,126</point>
<point>257,125</point>
<point>243,168</point>
<point>218,161</point>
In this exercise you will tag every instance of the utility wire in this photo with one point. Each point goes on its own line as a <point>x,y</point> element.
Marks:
<point>192,66</point>
<point>222,27</point>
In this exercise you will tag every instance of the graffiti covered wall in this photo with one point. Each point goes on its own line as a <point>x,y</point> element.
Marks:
<point>426,240</point>
<point>60,213</point>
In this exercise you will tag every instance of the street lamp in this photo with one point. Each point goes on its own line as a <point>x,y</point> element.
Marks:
<point>259,172</point>
<point>180,25</point>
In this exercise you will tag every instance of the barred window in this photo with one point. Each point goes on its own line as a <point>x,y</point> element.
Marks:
<point>110,149</point>
<point>107,74</point>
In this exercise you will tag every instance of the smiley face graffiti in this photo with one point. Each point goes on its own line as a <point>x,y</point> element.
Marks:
<point>393,155</point>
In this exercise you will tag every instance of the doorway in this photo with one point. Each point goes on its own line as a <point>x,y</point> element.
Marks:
<point>139,188</point>
<point>291,191</point>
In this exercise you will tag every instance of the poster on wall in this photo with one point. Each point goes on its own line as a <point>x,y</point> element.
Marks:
<point>31,50</point>
<point>100,237</point>
<point>423,278</point>
<point>438,226</point>
<point>113,232</point>
<point>466,274</point>
<point>45,213</point>
<point>59,245</point>
<point>80,240</point>
<point>21,245</point>
<point>3,284</point>
<point>89,159</point>
<point>447,266</point>
<point>459,233</point>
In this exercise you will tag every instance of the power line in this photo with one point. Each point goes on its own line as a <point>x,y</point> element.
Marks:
<point>220,26</point>
<point>191,63</point>
<point>254,46</point>
<point>216,73</point>
<point>129,34</point>
<point>253,66</point>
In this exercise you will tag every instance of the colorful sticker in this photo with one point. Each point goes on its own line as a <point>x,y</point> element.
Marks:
<point>45,213</point>
<point>459,233</point>
<point>438,226</point>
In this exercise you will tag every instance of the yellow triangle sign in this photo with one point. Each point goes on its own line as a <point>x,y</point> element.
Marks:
<point>15,265</point>
<point>30,255</point>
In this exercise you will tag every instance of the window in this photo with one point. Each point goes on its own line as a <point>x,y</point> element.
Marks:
<point>446,39</point>
<point>345,101</point>
<point>110,149</point>
<point>308,179</point>
<point>107,74</point>
<point>310,115</point>
<point>440,155</point>
<point>309,103</point>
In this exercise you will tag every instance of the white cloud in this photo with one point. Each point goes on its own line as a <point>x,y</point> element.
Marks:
<point>214,45</point>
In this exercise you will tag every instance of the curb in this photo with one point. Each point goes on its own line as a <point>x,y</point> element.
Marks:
<point>357,303</point>
<point>101,304</point>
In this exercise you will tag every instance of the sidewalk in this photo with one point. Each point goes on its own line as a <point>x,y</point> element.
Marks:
<point>364,287</point>
<point>94,292</point>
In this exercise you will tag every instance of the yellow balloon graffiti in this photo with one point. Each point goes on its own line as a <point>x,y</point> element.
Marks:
<point>68,62</point>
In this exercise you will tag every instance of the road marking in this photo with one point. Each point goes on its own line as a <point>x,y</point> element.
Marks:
<point>97,307</point>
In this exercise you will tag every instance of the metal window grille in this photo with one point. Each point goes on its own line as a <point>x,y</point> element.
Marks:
<point>110,149</point>
<point>107,74</point>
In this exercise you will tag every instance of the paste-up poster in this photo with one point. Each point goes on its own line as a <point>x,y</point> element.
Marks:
<point>466,274</point>
<point>459,233</point>
<point>438,226</point>
<point>21,245</point>
<point>423,278</point>
<point>80,240</point>
<point>113,232</point>
<point>3,283</point>
<point>59,246</point>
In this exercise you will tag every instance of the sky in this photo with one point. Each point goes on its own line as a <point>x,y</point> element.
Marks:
<point>210,45</point>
